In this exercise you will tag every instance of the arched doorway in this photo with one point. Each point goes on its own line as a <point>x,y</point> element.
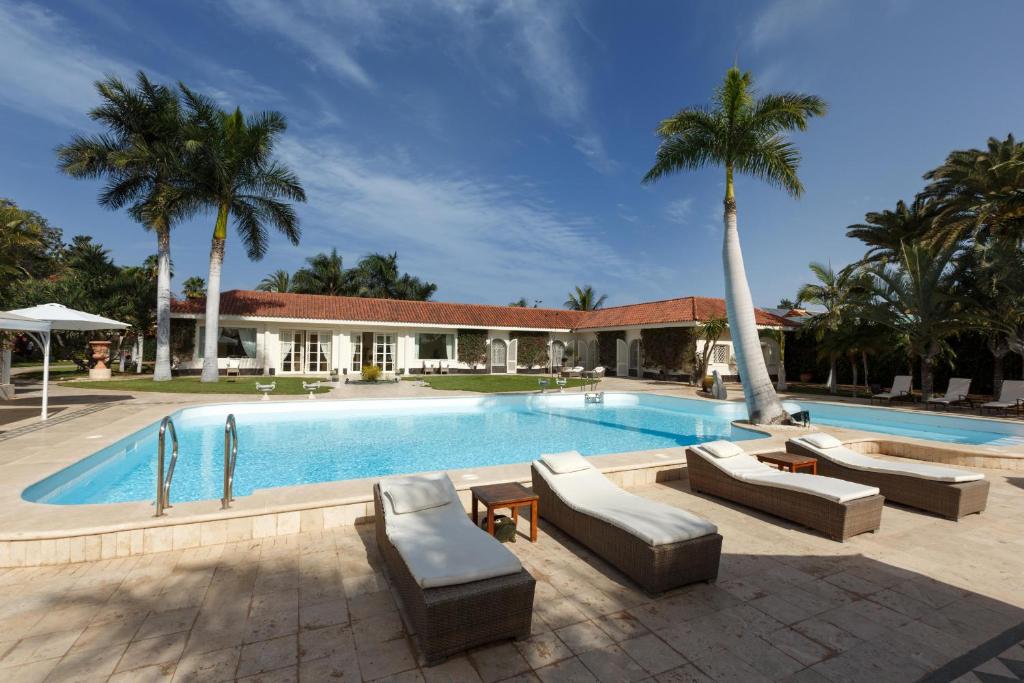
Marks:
<point>557,354</point>
<point>634,358</point>
<point>499,356</point>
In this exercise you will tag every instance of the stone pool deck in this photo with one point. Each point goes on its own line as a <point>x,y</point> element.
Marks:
<point>788,606</point>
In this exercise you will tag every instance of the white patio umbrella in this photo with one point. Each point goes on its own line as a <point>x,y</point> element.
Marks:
<point>40,321</point>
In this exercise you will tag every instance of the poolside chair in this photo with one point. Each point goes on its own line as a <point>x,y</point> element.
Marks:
<point>956,393</point>
<point>946,491</point>
<point>839,509</point>
<point>233,367</point>
<point>901,389</point>
<point>599,372</point>
<point>659,546</point>
<point>1011,395</point>
<point>459,586</point>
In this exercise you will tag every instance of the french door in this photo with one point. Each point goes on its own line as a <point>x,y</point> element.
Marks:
<point>305,351</point>
<point>292,348</point>
<point>384,352</point>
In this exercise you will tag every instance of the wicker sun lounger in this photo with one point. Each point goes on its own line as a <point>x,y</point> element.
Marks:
<point>850,511</point>
<point>656,564</point>
<point>447,619</point>
<point>945,491</point>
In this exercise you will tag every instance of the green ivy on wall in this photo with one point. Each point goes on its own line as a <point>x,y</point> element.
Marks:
<point>472,346</point>
<point>669,349</point>
<point>533,348</point>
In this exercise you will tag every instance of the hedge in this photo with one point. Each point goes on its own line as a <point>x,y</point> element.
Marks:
<point>472,346</point>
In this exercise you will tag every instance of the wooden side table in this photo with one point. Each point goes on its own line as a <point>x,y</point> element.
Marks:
<point>789,461</point>
<point>497,496</point>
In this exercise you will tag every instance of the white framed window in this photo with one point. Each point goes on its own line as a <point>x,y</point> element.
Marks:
<point>720,354</point>
<point>232,342</point>
<point>291,350</point>
<point>430,346</point>
<point>357,351</point>
<point>384,352</point>
<point>318,352</point>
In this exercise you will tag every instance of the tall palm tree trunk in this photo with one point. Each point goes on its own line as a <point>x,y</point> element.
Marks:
<point>139,346</point>
<point>763,406</point>
<point>162,370</point>
<point>210,371</point>
<point>833,374</point>
<point>853,370</point>
<point>864,362</point>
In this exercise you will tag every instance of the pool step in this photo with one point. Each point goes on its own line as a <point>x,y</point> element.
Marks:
<point>593,397</point>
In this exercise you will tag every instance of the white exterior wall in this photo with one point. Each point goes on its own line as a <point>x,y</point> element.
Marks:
<point>268,345</point>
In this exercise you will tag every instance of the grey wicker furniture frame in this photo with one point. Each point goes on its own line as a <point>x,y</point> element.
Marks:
<point>655,568</point>
<point>451,619</point>
<point>838,521</point>
<point>948,499</point>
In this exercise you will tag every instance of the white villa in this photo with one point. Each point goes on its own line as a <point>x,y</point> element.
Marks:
<point>302,334</point>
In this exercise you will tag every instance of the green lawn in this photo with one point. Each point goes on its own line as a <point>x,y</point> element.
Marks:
<point>490,383</point>
<point>192,385</point>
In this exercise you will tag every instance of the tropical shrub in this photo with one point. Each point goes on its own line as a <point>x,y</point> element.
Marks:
<point>370,373</point>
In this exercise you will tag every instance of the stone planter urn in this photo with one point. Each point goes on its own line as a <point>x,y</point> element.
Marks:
<point>100,354</point>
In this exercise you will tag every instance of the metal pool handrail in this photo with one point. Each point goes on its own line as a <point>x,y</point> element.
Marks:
<point>230,458</point>
<point>163,485</point>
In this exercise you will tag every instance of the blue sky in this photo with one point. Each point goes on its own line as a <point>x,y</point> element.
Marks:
<point>498,147</point>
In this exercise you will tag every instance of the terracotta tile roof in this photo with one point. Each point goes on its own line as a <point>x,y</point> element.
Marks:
<point>256,304</point>
<point>239,302</point>
<point>685,309</point>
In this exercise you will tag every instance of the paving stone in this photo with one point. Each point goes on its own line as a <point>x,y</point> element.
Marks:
<point>567,671</point>
<point>611,664</point>
<point>583,637</point>
<point>652,654</point>
<point>386,659</point>
<point>268,655</point>
<point>497,662</point>
<point>543,649</point>
<point>153,651</point>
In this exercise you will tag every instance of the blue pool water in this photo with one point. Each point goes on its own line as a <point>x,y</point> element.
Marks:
<point>936,426</point>
<point>300,442</point>
<point>285,444</point>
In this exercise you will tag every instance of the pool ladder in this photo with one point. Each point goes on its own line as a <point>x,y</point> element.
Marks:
<point>230,458</point>
<point>163,480</point>
<point>163,483</point>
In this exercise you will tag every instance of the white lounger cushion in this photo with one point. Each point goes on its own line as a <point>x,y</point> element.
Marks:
<point>564,463</point>
<point>588,491</point>
<point>442,547</point>
<point>841,455</point>
<point>412,494</point>
<point>822,440</point>
<point>749,469</point>
<point>722,449</point>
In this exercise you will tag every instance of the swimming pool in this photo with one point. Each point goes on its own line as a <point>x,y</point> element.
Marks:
<point>300,442</point>
<point>936,426</point>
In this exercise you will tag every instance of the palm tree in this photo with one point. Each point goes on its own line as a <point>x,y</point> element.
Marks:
<point>885,232</point>
<point>585,299</point>
<point>990,279</point>
<point>411,288</point>
<point>519,303</point>
<point>193,287</point>
<point>278,281</point>
<point>979,193</point>
<point>238,177</point>
<point>142,155</point>
<point>325,274</point>
<point>376,275</point>
<point>915,297</point>
<point>745,134</point>
<point>835,291</point>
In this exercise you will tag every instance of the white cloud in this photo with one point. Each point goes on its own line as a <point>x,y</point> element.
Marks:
<point>307,34</point>
<point>679,210</point>
<point>480,241</point>
<point>783,18</point>
<point>44,70</point>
